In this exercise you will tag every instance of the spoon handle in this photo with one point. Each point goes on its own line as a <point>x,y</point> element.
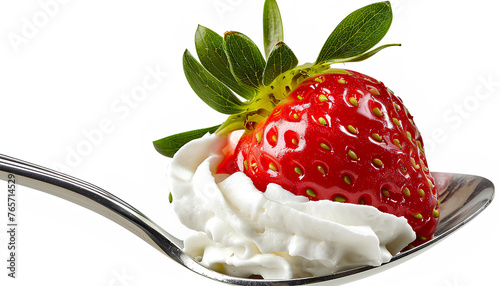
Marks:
<point>93,198</point>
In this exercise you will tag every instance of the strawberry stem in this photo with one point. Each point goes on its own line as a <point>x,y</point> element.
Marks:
<point>233,64</point>
<point>269,96</point>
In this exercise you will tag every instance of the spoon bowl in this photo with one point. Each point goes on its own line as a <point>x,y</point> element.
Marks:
<point>462,198</point>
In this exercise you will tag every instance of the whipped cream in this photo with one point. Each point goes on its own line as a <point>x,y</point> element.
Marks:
<point>241,231</point>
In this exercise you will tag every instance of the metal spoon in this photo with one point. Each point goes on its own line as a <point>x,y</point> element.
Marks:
<point>462,198</point>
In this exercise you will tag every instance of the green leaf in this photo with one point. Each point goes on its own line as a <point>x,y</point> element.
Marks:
<point>210,50</point>
<point>357,33</point>
<point>273,26</point>
<point>245,59</point>
<point>168,146</point>
<point>364,56</point>
<point>208,88</point>
<point>280,60</point>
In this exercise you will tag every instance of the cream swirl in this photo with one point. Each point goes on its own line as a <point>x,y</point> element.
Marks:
<point>241,231</point>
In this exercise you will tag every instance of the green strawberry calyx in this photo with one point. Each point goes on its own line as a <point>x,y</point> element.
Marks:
<point>234,78</point>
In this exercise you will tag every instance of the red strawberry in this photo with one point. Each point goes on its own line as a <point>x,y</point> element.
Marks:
<point>321,133</point>
<point>343,137</point>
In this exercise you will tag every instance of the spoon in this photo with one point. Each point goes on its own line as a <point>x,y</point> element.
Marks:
<point>462,198</point>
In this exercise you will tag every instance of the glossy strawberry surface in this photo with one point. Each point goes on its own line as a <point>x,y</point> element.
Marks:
<point>343,136</point>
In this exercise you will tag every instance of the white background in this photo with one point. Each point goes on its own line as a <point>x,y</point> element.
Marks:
<point>69,67</point>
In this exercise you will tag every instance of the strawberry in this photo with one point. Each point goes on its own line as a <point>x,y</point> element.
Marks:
<point>319,132</point>
<point>343,136</point>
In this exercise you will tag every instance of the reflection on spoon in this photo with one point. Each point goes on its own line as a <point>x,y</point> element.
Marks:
<point>462,198</point>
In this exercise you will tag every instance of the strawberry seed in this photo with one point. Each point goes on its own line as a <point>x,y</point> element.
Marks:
<point>352,155</point>
<point>378,162</point>
<point>396,121</point>
<point>298,171</point>
<point>406,192</point>
<point>415,165</point>
<point>352,129</point>
<point>419,144</point>
<point>310,193</point>
<point>321,169</point>
<point>403,169</point>
<point>421,193</point>
<point>408,134</point>
<point>353,101</point>
<point>374,91</point>
<point>377,112</point>
<point>435,213</point>
<point>377,137</point>
<point>273,167</point>
<point>385,193</point>
<point>325,147</point>
<point>347,180</point>
<point>339,198</point>
<point>322,121</point>
<point>397,143</point>
<point>258,137</point>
